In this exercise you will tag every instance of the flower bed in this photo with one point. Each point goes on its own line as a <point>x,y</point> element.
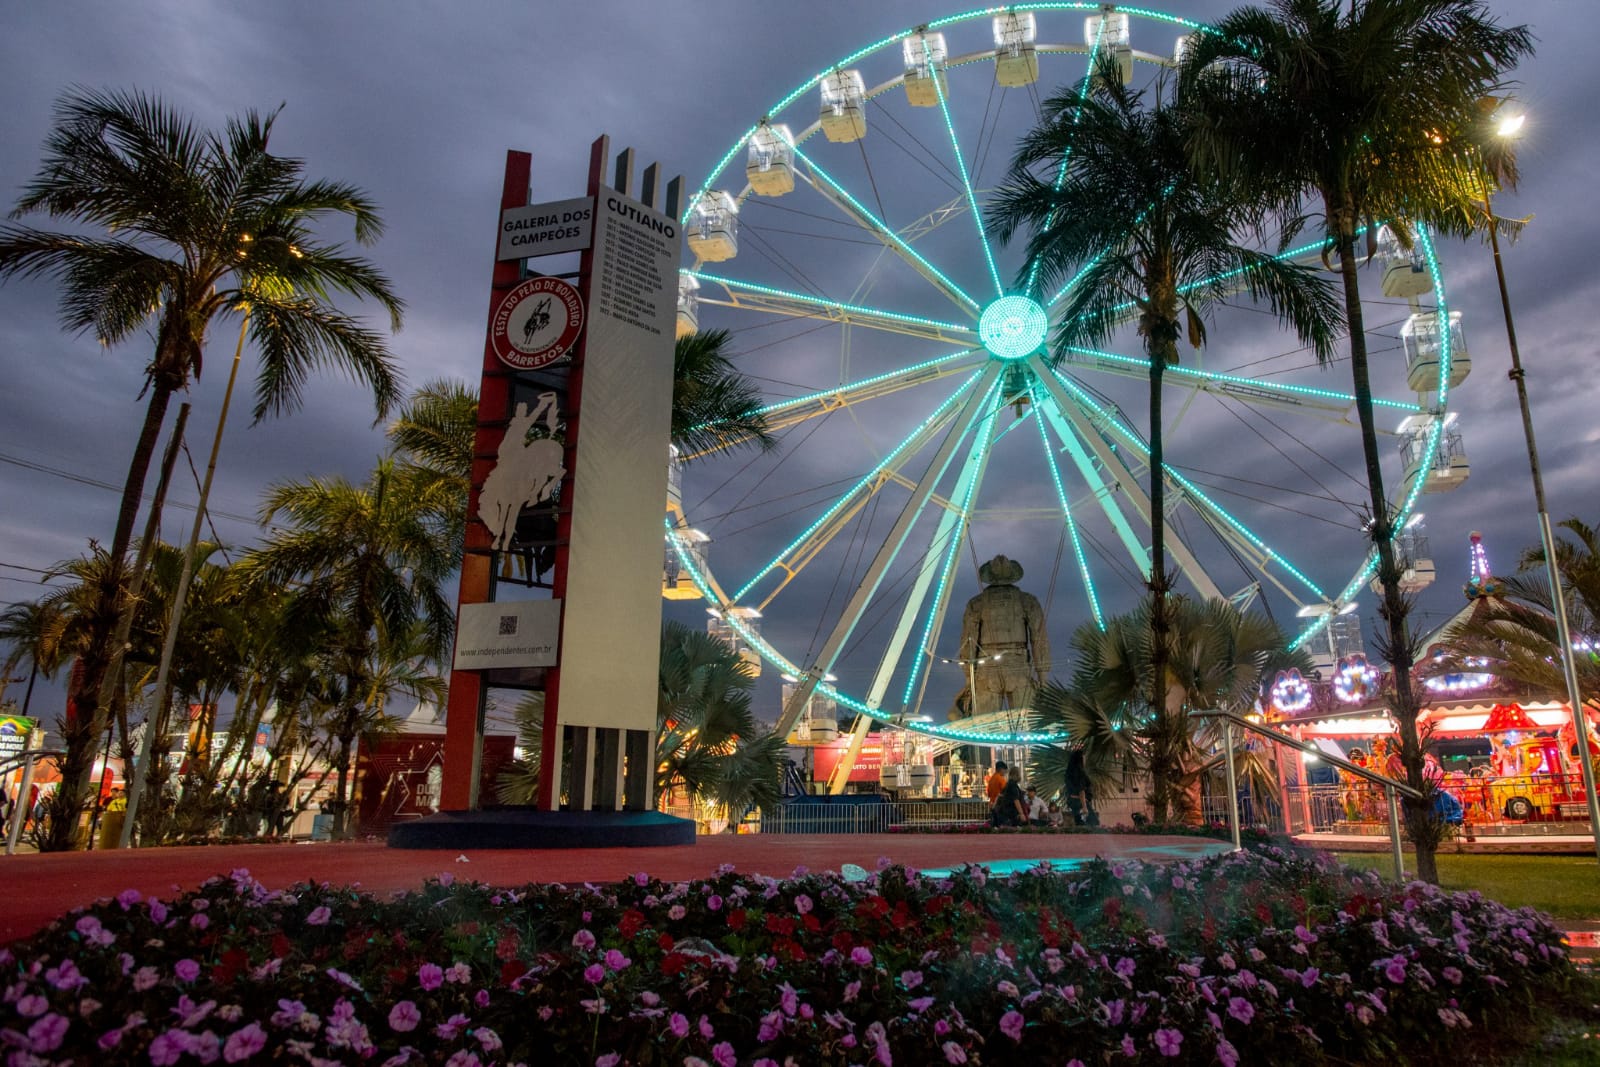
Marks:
<point>1265,956</point>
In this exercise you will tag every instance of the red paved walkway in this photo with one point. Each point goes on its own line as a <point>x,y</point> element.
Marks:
<point>38,888</point>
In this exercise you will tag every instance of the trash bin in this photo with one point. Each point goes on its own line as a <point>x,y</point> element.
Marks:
<point>322,827</point>
<point>110,829</point>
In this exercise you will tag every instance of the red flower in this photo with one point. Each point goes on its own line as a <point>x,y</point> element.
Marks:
<point>782,925</point>
<point>810,922</point>
<point>736,919</point>
<point>631,923</point>
<point>232,962</point>
<point>665,942</point>
<point>843,941</point>
<point>511,970</point>
<point>673,963</point>
<point>280,945</point>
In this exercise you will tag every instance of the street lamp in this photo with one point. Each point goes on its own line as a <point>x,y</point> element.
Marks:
<point>1507,120</point>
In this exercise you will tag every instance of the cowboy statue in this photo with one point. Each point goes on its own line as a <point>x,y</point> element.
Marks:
<point>1003,642</point>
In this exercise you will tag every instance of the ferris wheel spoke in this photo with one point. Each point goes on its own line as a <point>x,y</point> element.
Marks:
<point>754,297</point>
<point>966,179</point>
<point>950,535</point>
<point>793,558</point>
<point>1235,532</point>
<point>1067,517</point>
<point>1324,403</point>
<point>979,400</point>
<point>836,194</point>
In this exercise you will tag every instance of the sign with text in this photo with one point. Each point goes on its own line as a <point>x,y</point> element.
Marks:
<point>508,633</point>
<point>536,323</point>
<point>613,590</point>
<point>14,730</point>
<point>545,229</point>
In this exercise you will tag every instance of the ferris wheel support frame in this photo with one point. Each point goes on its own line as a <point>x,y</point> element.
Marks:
<point>977,402</point>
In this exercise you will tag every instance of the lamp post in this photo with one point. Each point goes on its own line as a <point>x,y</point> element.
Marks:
<point>1508,121</point>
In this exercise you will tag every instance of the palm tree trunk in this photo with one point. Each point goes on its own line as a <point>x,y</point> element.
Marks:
<point>1162,767</point>
<point>1393,608</point>
<point>85,718</point>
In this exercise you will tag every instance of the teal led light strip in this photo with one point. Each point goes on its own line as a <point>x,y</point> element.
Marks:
<point>1086,401</point>
<point>1430,450</point>
<point>862,484</point>
<point>881,227</point>
<point>966,179</point>
<point>1061,169</point>
<point>843,390</point>
<point>982,435</point>
<point>1409,407</point>
<point>1066,513</point>
<point>816,301</point>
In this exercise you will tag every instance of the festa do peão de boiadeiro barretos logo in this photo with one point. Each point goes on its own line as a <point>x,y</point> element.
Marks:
<point>536,323</point>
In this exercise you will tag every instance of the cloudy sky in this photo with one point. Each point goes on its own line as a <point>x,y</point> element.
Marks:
<point>417,103</point>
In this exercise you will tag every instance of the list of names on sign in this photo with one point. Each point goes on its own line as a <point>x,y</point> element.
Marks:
<point>635,264</point>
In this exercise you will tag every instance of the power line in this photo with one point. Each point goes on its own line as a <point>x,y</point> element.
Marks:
<point>96,483</point>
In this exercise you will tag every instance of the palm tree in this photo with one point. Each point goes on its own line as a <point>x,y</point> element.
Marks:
<point>187,227</point>
<point>1217,657</point>
<point>433,437</point>
<point>1154,240</point>
<point>1334,107</point>
<point>33,631</point>
<point>714,407</point>
<point>370,564</point>
<point>1516,632</point>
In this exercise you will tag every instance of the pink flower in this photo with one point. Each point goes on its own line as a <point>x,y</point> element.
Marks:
<point>1309,977</point>
<point>788,999</point>
<point>583,940</point>
<point>676,912</point>
<point>954,1053</point>
<point>1452,975</point>
<point>244,1043</point>
<point>1168,1041</point>
<point>1395,970</point>
<point>187,970</point>
<point>594,974</point>
<point>707,1031</point>
<point>714,902</point>
<point>128,898</point>
<point>1011,1025</point>
<point>1241,1009</point>
<point>724,1055</point>
<point>1227,1055</point>
<point>32,1005</point>
<point>158,912</point>
<point>488,1039</point>
<point>47,1033</point>
<point>609,1059</point>
<point>404,1017</point>
<point>678,1025</point>
<point>460,974</point>
<point>319,917</point>
<point>802,904</point>
<point>910,979</point>
<point>861,955</point>
<point>616,960</point>
<point>430,976</point>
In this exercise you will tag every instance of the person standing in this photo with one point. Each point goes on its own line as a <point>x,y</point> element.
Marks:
<point>995,784</point>
<point>1011,809</point>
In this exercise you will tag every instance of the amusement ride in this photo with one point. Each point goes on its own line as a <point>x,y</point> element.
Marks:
<point>925,424</point>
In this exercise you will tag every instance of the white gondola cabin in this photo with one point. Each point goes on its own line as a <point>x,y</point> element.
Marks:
<point>1405,270</point>
<point>1449,468</point>
<point>818,724</point>
<point>1421,338</point>
<point>675,487</point>
<point>713,230</point>
<point>1109,34</point>
<point>723,630</point>
<point>1415,556</point>
<point>844,106</point>
<point>769,163</point>
<point>1016,59</point>
<point>688,305</point>
<point>924,55</point>
<point>1180,49</point>
<point>676,583</point>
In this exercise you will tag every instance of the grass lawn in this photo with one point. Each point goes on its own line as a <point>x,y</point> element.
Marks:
<point>1565,886</point>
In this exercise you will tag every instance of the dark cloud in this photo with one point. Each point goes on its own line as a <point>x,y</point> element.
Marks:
<point>418,103</point>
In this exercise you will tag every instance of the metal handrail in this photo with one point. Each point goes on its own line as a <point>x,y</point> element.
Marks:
<point>1309,749</point>
<point>1392,788</point>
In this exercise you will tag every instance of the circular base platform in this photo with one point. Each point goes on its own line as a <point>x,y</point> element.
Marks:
<point>534,829</point>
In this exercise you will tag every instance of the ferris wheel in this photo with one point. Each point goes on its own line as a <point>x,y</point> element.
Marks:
<point>922,428</point>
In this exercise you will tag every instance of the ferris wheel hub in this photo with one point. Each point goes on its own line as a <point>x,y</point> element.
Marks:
<point>1013,327</point>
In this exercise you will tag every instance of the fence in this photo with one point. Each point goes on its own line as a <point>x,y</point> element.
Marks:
<point>1522,804</point>
<point>870,814</point>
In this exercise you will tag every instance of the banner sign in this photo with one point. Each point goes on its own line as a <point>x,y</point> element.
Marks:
<point>508,633</point>
<point>545,229</point>
<point>868,764</point>
<point>14,730</point>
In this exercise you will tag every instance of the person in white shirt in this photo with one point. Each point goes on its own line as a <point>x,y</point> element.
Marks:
<point>1038,810</point>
